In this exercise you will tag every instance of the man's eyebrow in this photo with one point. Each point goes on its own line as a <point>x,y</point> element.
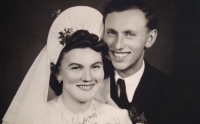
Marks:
<point>97,63</point>
<point>71,64</point>
<point>110,29</point>
<point>130,31</point>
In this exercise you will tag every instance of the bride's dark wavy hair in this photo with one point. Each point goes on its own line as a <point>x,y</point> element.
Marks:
<point>80,39</point>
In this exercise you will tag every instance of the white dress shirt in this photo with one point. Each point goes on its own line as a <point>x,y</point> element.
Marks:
<point>131,82</point>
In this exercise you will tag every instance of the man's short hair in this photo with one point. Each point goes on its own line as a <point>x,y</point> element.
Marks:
<point>123,5</point>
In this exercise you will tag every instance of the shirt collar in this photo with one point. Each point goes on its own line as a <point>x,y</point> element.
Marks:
<point>136,76</point>
<point>131,82</point>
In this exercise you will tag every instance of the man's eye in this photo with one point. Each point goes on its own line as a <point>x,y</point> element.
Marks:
<point>130,34</point>
<point>111,33</point>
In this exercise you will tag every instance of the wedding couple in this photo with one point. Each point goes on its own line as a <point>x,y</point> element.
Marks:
<point>82,74</point>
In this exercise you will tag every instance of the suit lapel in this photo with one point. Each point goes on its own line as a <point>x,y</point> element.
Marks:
<point>113,89</point>
<point>145,89</point>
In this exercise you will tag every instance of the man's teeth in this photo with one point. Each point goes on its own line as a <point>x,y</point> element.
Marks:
<point>85,87</point>
<point>120,55</point>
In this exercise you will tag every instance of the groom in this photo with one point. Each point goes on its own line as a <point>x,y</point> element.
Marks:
<point>130,28</point>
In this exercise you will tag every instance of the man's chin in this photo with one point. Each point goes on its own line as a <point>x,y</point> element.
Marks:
<point>120,66</point>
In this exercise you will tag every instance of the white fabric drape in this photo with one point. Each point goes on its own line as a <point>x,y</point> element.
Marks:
<point>29,103</point>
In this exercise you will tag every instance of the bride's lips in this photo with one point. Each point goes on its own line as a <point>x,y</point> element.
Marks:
<point>120,55</point>
<point>85,87</point>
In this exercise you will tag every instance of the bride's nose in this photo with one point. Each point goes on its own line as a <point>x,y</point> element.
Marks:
<point>86,76</point>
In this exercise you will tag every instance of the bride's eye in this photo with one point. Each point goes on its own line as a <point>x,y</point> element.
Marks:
<point>76,68</point>
<point>111,32</point>
<point>96,66</point>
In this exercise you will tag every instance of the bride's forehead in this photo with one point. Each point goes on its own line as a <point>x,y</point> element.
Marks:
<point>82,55</point>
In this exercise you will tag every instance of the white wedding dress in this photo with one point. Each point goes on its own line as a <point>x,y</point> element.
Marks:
<point>97,113</point>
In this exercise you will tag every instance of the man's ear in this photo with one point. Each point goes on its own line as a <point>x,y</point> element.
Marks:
<point>151,38</point>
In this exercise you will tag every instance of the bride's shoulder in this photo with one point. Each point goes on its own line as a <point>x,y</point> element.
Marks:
<point>52,112</point>
<point>114,112</point>
<point>111,109</point>
<point>52,103</point>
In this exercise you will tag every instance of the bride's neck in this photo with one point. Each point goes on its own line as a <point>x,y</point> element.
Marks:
<point>75,106</point>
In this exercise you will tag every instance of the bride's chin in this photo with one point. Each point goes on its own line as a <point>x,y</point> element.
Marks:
<point>85,100</point>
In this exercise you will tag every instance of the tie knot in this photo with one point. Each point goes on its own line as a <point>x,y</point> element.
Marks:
<point>123,99</point>
<point>121,82</point>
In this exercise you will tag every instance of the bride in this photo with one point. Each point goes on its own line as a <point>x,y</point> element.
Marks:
<point>78,60</point>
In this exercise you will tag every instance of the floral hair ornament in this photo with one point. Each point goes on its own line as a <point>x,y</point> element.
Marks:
<point>29,104</point>
<point>64,36</point>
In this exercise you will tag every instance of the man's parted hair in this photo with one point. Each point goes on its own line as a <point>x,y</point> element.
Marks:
<point>123,5</point>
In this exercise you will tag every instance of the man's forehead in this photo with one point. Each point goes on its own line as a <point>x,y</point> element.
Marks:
<point>126,20</point>
<point>126,13</point>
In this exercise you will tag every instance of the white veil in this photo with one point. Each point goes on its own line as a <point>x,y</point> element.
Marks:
<point>29,103</point>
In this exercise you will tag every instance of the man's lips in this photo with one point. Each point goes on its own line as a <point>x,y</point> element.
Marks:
<point>120,55</point>
<point>85,87</point>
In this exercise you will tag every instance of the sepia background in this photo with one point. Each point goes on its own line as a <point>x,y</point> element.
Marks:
<point>24,27</point>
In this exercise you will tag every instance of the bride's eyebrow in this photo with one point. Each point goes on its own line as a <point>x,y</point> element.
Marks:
<point>74,64</point>
<point>97,63</point>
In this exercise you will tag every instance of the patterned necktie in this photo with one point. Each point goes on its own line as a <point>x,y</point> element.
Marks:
<point>123,100</point>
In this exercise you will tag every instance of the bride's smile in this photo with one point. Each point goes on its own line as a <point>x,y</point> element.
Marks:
<point>85,87</point>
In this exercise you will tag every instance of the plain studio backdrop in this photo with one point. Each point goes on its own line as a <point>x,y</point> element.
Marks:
<point>24,27</point>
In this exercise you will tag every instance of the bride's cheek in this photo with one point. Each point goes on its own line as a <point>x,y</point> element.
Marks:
<point>99,75</point>
<point>73,76</point>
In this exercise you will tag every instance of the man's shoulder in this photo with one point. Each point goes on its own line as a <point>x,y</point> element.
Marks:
<point>152,72</point>
<point>161,81</point>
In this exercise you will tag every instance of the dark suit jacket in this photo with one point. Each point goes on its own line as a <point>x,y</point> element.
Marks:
<point>156,96</point>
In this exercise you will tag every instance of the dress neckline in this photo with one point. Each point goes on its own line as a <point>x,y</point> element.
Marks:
<point>68,113</point>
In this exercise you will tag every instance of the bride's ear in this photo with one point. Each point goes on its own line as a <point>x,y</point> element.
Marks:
<point>151,38</point>
<point>59,77</point>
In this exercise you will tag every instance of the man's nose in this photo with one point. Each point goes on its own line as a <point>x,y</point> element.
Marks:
<point>119,43</point>
<point>86,76</point>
